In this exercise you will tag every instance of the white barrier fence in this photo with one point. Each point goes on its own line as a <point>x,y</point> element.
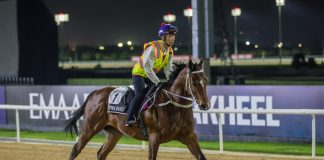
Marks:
<point>312,112</point>
<point>220,113</point>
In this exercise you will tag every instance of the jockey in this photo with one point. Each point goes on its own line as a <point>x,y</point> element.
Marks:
<point>157,55</point>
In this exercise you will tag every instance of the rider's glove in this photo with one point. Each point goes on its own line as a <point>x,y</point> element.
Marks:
<point>161,84</point>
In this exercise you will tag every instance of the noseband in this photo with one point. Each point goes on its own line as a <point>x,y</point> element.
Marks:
<point>187,88</point>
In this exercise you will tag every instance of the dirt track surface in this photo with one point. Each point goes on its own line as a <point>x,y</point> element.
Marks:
<point>14,151</point>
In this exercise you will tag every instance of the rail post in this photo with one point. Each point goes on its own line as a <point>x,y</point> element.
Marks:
<point>17,125</point>
<point>220,132</point>
<point>143,145</point>
<point>313,136</point>
<point>78,127</point>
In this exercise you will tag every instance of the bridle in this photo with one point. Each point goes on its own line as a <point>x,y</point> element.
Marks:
<point>188,88</point>
<point>188,80</point>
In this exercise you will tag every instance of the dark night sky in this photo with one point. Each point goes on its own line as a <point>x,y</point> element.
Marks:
<point>99,22</point>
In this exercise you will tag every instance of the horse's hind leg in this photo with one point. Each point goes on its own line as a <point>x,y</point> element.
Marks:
<point>81,143</point>
<point>193,145</point>
<point>87,133</point>
<point>112,137</point>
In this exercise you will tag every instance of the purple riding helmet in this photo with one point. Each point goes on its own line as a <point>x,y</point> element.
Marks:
<point>166,29</point>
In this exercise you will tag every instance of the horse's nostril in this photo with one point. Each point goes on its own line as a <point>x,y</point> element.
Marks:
<point>202,107</point>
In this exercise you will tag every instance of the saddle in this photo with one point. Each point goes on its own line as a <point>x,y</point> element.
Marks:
<point>120,98</point>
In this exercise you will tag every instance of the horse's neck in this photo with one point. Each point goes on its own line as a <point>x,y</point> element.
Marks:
<point>179,87</point>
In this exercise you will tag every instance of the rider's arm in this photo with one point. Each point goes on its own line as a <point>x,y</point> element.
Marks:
<point>149,63</point>
<point>168,68</point>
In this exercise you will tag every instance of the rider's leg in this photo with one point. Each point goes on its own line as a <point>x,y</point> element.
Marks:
<point>139,86</point>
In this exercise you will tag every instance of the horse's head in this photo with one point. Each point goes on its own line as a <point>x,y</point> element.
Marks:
<point>196,81</point>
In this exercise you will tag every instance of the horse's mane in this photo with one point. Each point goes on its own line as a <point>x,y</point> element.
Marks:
<point>178,67</point>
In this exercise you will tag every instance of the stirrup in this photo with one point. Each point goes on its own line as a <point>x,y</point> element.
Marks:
<point>131,123</point>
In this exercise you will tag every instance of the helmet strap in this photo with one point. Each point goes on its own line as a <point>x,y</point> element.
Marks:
<point>164,39</point>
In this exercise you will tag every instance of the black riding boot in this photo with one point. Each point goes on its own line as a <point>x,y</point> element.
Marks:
<point>134,107</point>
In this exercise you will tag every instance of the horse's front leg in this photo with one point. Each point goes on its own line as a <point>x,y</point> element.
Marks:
<point>191,142</point>
<point>154,143</point>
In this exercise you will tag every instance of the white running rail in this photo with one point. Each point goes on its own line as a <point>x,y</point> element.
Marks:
<point>219,112</point>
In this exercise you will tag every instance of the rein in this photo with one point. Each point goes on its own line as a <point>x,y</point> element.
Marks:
<point>187,85</point>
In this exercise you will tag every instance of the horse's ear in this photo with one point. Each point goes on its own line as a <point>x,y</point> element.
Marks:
<point>201,62</point>
<point>190,64</point>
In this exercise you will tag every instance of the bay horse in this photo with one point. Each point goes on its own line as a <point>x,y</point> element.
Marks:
<point>170,118</point>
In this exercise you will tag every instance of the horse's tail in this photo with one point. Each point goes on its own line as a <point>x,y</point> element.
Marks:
<point>71,123</point>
